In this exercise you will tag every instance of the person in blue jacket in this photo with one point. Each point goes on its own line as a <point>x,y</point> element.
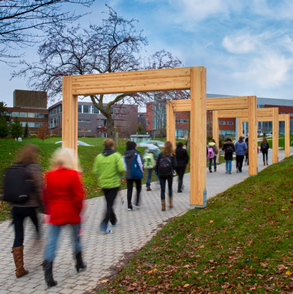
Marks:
<point>240,148</point>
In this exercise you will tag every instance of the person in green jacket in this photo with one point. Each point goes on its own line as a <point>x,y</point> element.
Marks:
<point>109,167</point>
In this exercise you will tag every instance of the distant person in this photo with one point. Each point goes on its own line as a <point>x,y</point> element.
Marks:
<point>182,159</point>
<point>212,151</point>
<point>228,148</point>
<point>240,147</point>
<point>264,148</point>
<point>108,166</point>
<point>64,197</point>
<point>28,156</point>
<point>133,175</point>
<point>149,164</point>
<point>165,166</point>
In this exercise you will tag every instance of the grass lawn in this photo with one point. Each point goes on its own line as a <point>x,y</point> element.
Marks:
<point>240,243</point>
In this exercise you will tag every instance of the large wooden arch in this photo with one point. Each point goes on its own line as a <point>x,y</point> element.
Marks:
<point>193,78</point>
<point>263,114</point>
<point>247,103</point>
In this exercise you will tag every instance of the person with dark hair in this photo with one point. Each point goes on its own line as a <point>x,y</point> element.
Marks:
<point>264,148</point>
<point>130,155</point>
<point>246,153</point>
<point>240,148</point>
<point>182,159</point>
<point>228,148</point>
<point>29,157</point>
<point>108,167</point>
<point>165,166</point>
<point>63,196</point>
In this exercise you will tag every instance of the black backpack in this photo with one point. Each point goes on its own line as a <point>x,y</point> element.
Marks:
<point>264,147</point>
<point>229,149</point>
<point>165,168</point>
<point>17,184</point>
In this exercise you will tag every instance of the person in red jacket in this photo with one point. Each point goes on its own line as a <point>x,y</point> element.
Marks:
<point>63,199</point>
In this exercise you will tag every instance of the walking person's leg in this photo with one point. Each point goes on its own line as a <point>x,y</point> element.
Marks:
<point>266,154</point>
<point>34,217</point>
<point>241,158</point>
<point>148,180</point>
<point>210,164</point>
<point>163,185</point>
<point>227,166</point>
<point>230,166</point>
<point>170,182</point>
<point>77,247</point>
<point>110,195</point>
<point>215,163</point>
<point>180,171</point>
<point>50,254</point>
<point>263,158</point>
<point>19,215</point>
<point>129,193</point>
<point>138,190</point>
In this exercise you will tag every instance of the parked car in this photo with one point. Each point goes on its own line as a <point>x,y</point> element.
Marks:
<point>79,143</point>
<point>154,142</point>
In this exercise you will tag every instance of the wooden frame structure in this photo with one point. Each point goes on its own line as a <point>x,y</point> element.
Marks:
<point>247,103</point>
<point>193,78</point>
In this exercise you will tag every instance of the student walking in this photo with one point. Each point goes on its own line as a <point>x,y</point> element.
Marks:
<point>63,197</point>
<point>264,148</point>
<point>228,148</point>
<point>240,148</point>
<point>182,159</point>
<point>108,166</point>
<point>212,151</point>
<point>165,165</point>
<point>27,157</point>
<point>149,164</point>
<point>134,173</point>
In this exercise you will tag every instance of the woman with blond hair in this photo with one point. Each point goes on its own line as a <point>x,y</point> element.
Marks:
<point>165,166</point>
<point>28,157</point>
<point>63,197</point>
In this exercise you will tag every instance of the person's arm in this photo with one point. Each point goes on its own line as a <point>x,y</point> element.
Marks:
<point>157,163</point>
<point>120,164</point>
<point>139,161</point>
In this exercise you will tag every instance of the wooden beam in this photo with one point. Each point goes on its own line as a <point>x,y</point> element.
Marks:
<point>275,138</point>
<point>198,130</point>
<point>132,81</point>
<point>228,103</point>
<point>286,119</point>
<point>240,127</point>
<point>216,130</point>
<point>171,123</point>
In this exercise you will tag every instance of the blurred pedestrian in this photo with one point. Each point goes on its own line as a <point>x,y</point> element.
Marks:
<point>264,148</point>
<point>228,148</point>
<point>240,147</point>
<point>63,196</point>
<point>134,173</point>
<point>212,151</point>
<point>182,159</point>
<point>165,166</point>
<point>28,156</point>
<point>109,168</point>
<point>149,164</point>
<point>246,153</point>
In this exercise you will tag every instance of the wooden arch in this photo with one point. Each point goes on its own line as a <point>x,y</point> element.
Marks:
<point>193,78</point>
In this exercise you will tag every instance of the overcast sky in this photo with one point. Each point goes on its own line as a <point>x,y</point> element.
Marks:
<point>245,45</point>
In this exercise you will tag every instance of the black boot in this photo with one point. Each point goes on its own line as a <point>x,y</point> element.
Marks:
<point>80,265</point>
<point>48,271</point>
<point>179,187</point>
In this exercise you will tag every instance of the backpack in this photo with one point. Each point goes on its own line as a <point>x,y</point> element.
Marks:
<point>211,153</point>
<point>17,184</point>
<point>135,171</point>
<point>229,149</point>
<point>264,147</point>
<point>149,161</point>
<point>165,168</point>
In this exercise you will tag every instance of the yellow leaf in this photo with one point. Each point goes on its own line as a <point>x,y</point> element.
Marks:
<point>105,281</point>
<point>186,285</point>
<point>211,221</point>
<point>288,273</point>
<point>152,271</point>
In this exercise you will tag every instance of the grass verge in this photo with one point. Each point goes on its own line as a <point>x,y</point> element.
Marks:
<point>240,243</point>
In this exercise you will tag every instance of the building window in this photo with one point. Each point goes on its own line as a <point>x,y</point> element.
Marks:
<point>15,114</point>
<point>30,114</point>
<point>39,115</point>
<point>222,122</point>
<point>31,125</point>
<point>95,110</point>
<point>86,109</point>
<point>37,125</point>
<point>230,123</point>
<point>148,123</point>
<point>80,108</point>
<point>23,114</point>
<point>84,120</point>
<point>291,114</point>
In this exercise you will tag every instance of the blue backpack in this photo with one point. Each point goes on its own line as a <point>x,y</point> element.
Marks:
<point>135,171</point>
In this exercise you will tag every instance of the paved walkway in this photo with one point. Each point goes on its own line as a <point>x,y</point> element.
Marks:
<point>101,252</point>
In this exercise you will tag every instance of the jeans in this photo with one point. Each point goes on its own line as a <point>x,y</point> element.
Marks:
<point>180,171</point>
<point>265,156</point>
<point>129,191</point>
<point>228,166</point>
<point>211,161</point>
<point>110,195</point>
<point>239,162</point>
<point>53,235</point>
<point>163,186</point>
<point>19,214</point>
<point>149,177</point>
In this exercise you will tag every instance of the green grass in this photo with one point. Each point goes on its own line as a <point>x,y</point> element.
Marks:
<point>240,243</point>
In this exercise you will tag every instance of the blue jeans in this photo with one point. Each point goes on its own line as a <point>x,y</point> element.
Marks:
<point>163,186</point>
<point>228,166</point>
<point>149,177</point>
<point>53,235</point>
<point>211,161</point>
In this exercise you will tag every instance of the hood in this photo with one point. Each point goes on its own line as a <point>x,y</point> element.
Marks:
<point>130,153</point>
<point>228,142</point>
<point>108,151</point>
<point>212,144</point>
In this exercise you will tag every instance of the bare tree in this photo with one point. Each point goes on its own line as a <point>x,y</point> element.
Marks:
<point>114,46</point>
<point>21,21</point>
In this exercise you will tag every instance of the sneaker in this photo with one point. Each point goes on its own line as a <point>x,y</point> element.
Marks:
<point>136,206</point>
<point>211,171</point>
<point>105,231</point>
<point>114,225</point>
<point>148,189</point>
<point>230,173</point>
<point>129,208</point>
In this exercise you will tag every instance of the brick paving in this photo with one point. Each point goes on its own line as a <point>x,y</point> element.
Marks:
<point>101,252</point>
